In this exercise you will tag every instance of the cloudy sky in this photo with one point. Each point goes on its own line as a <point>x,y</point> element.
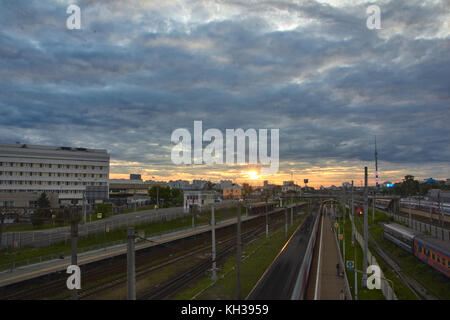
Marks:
<point>137,70</point>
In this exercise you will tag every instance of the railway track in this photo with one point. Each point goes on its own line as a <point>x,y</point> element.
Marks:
<point>169,288</point>
<point>419,290</point>
<point>54,285</point>
<point>146,271</point>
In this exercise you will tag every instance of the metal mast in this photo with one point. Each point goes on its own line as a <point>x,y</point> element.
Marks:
<point>376,164</point>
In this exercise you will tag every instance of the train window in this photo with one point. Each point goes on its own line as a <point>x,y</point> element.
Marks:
<point>432,256</point>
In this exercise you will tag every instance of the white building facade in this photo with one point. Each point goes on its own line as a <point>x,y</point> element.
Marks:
<point>63,170</point>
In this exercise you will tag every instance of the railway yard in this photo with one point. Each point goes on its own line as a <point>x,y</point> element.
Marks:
<point>161,269</point>
<point>299,265</point>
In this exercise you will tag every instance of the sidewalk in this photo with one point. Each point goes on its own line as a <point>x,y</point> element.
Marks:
<point>328,283</point>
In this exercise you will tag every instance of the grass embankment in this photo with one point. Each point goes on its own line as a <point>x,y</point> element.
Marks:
<point>436,283</point>
<point>28,254</point>
<point>91,217</point>
<point>257,258</point>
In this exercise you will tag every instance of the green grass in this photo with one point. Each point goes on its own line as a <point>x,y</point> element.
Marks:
<point>28,254</point>
<point>50,225</point>
<point>350,251</point>
<point>436,283</point>
<point>30,227</point>
<point>257,257</point>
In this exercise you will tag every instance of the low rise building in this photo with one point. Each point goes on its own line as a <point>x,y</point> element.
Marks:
<point>199,198</point>
<point>26,199</point>
<point>123,191</point>
<point>233,192</point>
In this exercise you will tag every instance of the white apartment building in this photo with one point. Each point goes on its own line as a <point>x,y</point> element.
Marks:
<point>63,170</point>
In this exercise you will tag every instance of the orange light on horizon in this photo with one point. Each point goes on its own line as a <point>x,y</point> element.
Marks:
<point>252,175</point>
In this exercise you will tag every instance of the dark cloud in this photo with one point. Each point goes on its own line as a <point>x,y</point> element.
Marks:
<point>137,71</point>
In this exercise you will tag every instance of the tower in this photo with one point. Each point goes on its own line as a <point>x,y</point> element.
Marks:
<point>376,163</point>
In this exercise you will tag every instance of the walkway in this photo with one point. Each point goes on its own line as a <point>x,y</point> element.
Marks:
<point>324,283</point>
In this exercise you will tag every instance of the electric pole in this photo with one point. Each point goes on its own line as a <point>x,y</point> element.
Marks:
<point>84,206</point>
<point>286,222</point>
<point>239,254</point>
<point>213,246</point>
<point>267,222</point>
<point>292,216</point>
<point>373,206</point>
<point>74,238</point>
<point>366,231</point>
<point>353,218</point>
<point>157,198</point>
<point>376,165</point>
<point>2,217</point>
<point>131,270</point>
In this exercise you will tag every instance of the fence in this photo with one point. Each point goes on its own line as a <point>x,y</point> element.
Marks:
<point>388,293</point>
<point>44,238</point>
<point>48,237</point>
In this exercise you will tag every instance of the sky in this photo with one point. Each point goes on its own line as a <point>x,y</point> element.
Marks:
<point>138,70</point>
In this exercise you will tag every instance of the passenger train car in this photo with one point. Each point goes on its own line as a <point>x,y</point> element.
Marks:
<point>434,252</point>
<point>426,206</point>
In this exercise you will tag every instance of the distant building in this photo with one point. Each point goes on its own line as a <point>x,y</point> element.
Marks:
<point>289,186</point>
<point>26,200</point>
<point>347,185</point>
<point>179,184</point>
<point>447,182</point>
<point>65,171</point>
<point>199,198</point>
<point>135,177</point>
<point>233,192</point>
<point>199,184</point>
<point>128,191</point>
<point>223,184</point>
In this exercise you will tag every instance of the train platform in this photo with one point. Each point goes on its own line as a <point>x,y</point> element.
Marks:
<point>324,282</point>
<point>60,265</point>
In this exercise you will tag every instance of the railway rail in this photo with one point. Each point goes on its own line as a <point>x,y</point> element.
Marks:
<point>113,269</point>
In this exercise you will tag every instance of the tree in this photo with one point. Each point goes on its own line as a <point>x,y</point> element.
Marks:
<point>43,202</point>
<point>246,190</point>
<point>166,195</point>
<point>43,210</point>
